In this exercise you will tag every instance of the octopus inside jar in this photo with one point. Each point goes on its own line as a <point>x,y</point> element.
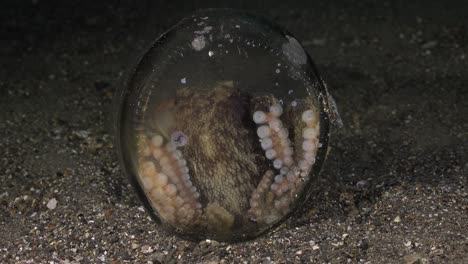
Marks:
<point>224,162</point>
<point>223,126</point>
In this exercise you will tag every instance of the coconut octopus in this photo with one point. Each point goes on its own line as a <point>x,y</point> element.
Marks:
<point>223,159</point>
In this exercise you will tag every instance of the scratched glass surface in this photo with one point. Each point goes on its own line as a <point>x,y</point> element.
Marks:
<point>223,126</point>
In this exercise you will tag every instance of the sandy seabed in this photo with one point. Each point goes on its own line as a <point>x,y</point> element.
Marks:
<point>394,187</point>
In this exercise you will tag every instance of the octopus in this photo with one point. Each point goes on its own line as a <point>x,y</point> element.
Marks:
<point>223,160</point>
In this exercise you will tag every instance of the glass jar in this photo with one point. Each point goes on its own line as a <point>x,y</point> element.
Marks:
<point>223,125</point>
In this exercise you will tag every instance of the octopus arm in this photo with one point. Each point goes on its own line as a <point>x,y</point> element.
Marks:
<point>274,196</point>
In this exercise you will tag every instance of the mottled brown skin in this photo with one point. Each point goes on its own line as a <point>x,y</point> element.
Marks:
<point>222,151</point>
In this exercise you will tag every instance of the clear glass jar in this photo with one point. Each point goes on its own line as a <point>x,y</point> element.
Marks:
<point>223,125</point>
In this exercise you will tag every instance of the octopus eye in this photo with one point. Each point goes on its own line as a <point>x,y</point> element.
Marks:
<point>179,138</point>
<point>223,126</point>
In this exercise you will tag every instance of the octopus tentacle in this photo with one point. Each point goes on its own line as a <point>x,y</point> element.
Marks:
<point>310,143</point>
<point>274,194</point>
<point>274,137</point>
<point>257,201</point>
<point>165,177</point>
<point>218,219</point>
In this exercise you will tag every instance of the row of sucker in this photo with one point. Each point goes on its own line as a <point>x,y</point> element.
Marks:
<point>166,180</point>
<point>310,143</point>
<point>275,194</point>
<point>274,137</point>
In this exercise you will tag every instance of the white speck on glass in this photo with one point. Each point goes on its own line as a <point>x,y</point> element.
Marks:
<point>205,30</point>
<point>198,43</point>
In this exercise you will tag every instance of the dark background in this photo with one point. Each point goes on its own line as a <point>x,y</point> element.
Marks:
<point>394,188</point>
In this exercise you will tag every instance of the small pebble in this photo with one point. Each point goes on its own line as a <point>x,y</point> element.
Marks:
<point>146,249</point>
<point>52,203</point>
<point>414,258</point>
<point>102,258</point>
<point>429,44</point>
<point>83,134</point>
